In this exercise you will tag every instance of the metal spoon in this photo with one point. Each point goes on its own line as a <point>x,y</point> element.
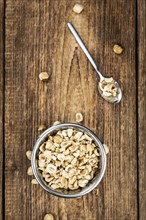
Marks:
<point>110,99</point>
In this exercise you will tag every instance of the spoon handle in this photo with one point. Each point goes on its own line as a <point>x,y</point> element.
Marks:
<point>82,45</point>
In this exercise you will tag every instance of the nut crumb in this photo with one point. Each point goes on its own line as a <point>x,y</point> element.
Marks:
<point>78,8</point>
<point>34,181</point>
<point>29,171</point>
<point>51,168</point>
<point>79,117</point>
<point>106,148</point>
<point>29,154</point>
<point>48,217</point>
<point>43,76</point>
<point>117,49</point>
<point>56,123</point>
<point>70,132</point>
<point>96,191</point>
<point>57,139</point>
<point>41,127</point>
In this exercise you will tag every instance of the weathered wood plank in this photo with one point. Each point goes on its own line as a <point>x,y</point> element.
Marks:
<point>1,104</point>
<point>141,70</point>
<point>37,40</point>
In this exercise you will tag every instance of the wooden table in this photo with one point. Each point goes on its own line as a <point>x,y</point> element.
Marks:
<point>34,38</point>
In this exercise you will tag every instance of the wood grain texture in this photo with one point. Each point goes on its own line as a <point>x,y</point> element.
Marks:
<point>37,39</point>
<point>1,103</point>
<point>141,31</point>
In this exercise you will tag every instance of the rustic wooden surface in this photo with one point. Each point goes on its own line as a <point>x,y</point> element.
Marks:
<point>37,39</point>
<point>1,105</point>
<point>141,69</point>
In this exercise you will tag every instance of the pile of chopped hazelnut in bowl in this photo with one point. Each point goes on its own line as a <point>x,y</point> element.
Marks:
<point>69,160</point>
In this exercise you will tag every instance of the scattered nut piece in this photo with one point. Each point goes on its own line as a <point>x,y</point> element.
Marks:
<point>65,174</point>
<point>29,154</point>
<point>69,132</point>
<point>60,157</point>
<point>72,172</point>
<point>96,191</point>
<point>41,127</point>
<point>64,133</point>
<point>56,123</point>
<point>64,181</point>
<point>48,178</point>
<point>88,138</point>
<point>58,163</point>
<point>79,117</point>
<point>72,180</point>
<point>76,185</point>
<point>69,158</point>
<point>82,182</point>
<point>88,177</point>
<point>60,133</point>
<point>42,147</point>
<point>77,154</point>
<point>55,186</point>
<point>89,168</point>
<point>74,161</point>
<point>78,134</point>
<point>90,147</point>
<point>48,146</point>
<point>51,168</point>
<point>78,8</point>
<point>34,181</point>
<point>117,49</point>
<point>96,152</point>
<point>73,148</point>
<point>29,171</point>
<point>44,76</point>
<point>48,217</point>
<point>47,153</point>
<point>66,152</point>
<point>57,139</point>
<point>42,157</point>
<point>41,164</point>
<point>106,148</point>
<point>107,93</point>
<point>66,144</point>
<point>109,80</point>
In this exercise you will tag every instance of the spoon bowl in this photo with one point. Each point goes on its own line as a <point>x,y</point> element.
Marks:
<point>112,99</point>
